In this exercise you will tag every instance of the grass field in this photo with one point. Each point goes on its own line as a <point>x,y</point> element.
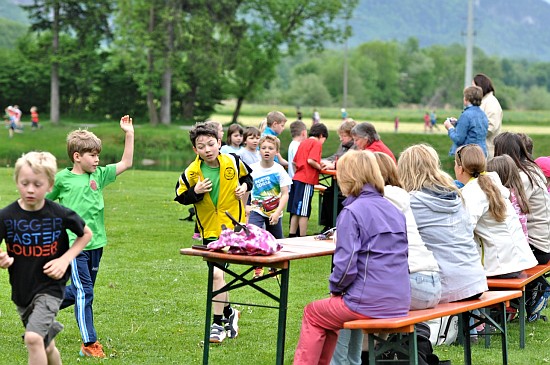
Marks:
<point>150,300</point>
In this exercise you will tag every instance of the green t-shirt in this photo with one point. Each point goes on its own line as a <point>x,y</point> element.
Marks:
<point>83,193</point>
<point>212,173</point>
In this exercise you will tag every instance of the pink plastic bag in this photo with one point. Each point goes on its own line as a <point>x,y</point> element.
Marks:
<point>246,239</point>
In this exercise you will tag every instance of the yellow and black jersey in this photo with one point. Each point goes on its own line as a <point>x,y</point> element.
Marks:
<point>233,172</point>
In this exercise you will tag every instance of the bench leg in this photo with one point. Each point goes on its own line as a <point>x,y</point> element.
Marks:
<point>465,331</point>
<point>504,333</point>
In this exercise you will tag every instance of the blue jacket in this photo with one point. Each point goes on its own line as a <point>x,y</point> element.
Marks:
<point>370,261</point>
<point>471,127</point>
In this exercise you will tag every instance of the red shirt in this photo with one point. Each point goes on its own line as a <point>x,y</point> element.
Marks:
<point>311,148</point>
<point>379,146</point>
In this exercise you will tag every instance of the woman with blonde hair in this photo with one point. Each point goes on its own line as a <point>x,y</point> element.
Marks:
<point>370,258</point>
<point>497,230</point>
<point>443,223</point>
<point>424,271</point>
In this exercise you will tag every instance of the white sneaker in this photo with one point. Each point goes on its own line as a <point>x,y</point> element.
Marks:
<point>232,326</point>
<point>217,333</point>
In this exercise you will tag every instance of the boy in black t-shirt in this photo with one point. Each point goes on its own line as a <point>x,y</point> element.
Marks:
<point>38,253</point>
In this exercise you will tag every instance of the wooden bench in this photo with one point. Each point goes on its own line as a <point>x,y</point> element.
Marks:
<point>526,277</point>
<point>407,344</point>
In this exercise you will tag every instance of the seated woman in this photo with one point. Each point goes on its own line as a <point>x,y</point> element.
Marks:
<point>370,278</point>
<point>443,223</point>
<point>423,268</point>
<point>497,229</point>
<point>534,183</point>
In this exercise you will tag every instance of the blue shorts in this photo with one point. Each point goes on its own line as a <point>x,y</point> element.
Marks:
<point>300,198</point>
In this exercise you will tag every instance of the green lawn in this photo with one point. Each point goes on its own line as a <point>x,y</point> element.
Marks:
<point>150,300</point>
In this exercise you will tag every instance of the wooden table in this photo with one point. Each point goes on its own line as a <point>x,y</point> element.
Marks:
<point>293,249</point>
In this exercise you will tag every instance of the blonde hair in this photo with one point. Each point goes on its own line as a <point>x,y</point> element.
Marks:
<point>275,117</point>
<point>40,163</point>
<point>357,168</point>
<point>82,141</point>
<point>472,159</point>
<point>387,169</point>
<point>271,139</point>
<point>419,168</point>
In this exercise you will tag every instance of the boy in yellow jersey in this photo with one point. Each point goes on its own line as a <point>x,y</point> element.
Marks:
<point>215,183</point>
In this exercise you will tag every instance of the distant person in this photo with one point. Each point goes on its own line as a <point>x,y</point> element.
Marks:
<point>365,137</point>
<point>433,120</point>
<point>427,124</point>
<point>471,126</point>
<point>298,113</point>
<point>34,118</point>
<point>344,113</point>
<point>316,117</point>
<point>396,124</point>
<point>35,231</point>
<point>491,107</point>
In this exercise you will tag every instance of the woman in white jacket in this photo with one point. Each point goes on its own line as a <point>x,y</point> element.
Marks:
<point>423,269</point>
<point>491,107</point>
<point>503,247</point>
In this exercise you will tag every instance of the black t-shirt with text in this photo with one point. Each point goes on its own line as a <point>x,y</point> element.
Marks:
<point>33,238</point>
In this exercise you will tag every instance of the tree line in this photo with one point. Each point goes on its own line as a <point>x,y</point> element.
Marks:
<point>175,60</point>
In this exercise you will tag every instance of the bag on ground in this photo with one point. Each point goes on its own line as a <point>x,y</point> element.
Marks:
<point>444,330</point>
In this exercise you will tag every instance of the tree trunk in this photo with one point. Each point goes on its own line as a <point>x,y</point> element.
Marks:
<point>54,83</point>
<point>166,98</point>
<point>237,110</point>
<point>151,107</point>
<point>189,103</point>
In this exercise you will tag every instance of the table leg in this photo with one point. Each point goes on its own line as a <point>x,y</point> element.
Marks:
<point>210,287</point>
<point>336,191</point>
<point>283,305</point>
<point>522,320</point>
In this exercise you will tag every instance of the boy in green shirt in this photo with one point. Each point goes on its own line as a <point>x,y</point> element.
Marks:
<point>81,189</point>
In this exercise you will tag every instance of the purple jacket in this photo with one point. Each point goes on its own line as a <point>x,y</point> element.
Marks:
<point>370,261</point>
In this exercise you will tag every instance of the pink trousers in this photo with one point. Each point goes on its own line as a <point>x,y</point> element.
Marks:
<point>320,326</point>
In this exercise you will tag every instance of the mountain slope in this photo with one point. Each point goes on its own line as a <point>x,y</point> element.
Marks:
<point>506,28</point>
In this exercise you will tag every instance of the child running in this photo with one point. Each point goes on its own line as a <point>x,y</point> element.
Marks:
<point>215,183</point>
<point>38,253</point>
<point>81,188</point>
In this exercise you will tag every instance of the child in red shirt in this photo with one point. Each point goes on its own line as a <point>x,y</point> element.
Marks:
<point>307,163</point>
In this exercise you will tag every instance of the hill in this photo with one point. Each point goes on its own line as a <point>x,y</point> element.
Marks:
<point>505,28</point>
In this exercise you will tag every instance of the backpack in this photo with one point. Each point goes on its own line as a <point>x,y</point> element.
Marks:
<point>444,330</point>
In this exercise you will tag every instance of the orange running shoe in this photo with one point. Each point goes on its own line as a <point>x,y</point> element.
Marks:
<point>93,350</point>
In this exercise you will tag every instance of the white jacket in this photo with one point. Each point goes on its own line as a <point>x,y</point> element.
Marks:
<point>420,258</point>
<point>538,219</point>
<point>503,246</point>
<point>493,110</point>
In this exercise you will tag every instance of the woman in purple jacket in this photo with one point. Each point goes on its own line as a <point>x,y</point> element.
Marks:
<point>370,277</point>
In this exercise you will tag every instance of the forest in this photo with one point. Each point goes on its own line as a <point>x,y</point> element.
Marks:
<point>175,62</point>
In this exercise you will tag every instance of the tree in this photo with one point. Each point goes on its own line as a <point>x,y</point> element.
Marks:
<point>276,28</point>
<point>85,21</point>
